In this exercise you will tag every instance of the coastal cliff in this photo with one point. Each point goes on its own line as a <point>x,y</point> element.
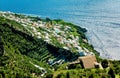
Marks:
<point>37,47</point>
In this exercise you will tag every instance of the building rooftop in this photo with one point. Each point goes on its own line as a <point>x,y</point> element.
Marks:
<point>88,61</point>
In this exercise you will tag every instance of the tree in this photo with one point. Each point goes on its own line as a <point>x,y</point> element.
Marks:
<point>105,63</point>
<point>111,73</point>
<point>67,76</point>
<point>1,47</point>
<point>50,75</point>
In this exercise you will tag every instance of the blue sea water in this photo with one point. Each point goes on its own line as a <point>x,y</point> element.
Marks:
<point>100,17</point>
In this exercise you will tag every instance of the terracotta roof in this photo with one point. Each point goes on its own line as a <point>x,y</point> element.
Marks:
<point>88,61</point>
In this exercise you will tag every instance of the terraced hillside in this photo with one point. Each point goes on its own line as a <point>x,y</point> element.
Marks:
<point>31,47</point>
<point>22,52</point>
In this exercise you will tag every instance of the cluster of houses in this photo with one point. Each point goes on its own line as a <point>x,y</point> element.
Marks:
<point>46,31</point>
<point>50,33</point>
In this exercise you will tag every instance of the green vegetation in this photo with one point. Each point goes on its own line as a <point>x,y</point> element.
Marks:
<point>1,47</point>
<point>74,28</point>
<point>21,49</point>
<point>112,71</point>
<point>115,65</point>
<point>21,54</point>
<point>81,73</point>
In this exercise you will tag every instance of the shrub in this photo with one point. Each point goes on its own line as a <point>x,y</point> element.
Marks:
<point>105,63</point>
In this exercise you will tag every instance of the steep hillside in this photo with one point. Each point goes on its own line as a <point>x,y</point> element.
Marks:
<point>21,52</point>
<point>26,44</point>
<point>31,47</point>
<point>15,60</point>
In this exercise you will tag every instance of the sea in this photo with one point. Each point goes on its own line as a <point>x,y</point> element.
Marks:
<point>100,17</point>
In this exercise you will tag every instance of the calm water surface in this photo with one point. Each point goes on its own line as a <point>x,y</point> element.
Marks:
<point>100,17</point>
